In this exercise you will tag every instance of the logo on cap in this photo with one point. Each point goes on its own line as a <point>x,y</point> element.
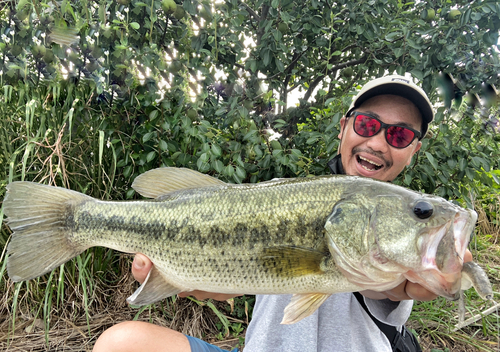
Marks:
<point>401,80</point>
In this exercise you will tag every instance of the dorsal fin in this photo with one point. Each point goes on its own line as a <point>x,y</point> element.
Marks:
<point>159,182</point>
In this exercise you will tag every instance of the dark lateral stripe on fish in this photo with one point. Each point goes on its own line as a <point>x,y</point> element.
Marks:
<point>134,224</point>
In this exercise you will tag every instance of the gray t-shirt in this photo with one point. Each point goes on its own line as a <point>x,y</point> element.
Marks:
<point>339,325</point>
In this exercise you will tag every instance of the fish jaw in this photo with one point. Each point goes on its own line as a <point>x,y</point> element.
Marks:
<point>443,250</point>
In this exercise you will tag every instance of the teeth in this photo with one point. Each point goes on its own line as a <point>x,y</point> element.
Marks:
<point>369,161</point>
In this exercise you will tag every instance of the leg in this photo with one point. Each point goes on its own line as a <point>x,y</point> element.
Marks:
<point>136,336</point>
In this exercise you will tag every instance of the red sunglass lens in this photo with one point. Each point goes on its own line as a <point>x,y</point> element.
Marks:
<point>366,126</point>
<point>399,137</point>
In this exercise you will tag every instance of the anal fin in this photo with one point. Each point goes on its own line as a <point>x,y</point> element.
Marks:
<point>153,289</point>
<point>302,306</point>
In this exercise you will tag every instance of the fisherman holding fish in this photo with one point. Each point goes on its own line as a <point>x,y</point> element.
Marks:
<point>380,133</point>
<point>335,261</point>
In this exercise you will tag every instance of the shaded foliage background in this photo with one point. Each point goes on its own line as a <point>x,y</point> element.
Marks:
<point>94,93</point>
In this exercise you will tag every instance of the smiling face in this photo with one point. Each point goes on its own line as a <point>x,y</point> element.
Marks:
<point>373,156</point>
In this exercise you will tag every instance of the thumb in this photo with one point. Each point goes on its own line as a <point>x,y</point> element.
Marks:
<point>141,267</point>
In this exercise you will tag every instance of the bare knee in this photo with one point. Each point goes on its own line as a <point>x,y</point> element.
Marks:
<point>140,336</point>
<point>114,338</point>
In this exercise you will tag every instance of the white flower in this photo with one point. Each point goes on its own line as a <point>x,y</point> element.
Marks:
<point>106,71</point>
<point>102,79</point>
<point>126,9</point>
<point>108,144</point>
<point>106,52</point>
<point>12,32</point>
<point>96,34</point>
<point>43,35</point>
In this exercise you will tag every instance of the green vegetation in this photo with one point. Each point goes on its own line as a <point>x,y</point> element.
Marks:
<point>94,93</point>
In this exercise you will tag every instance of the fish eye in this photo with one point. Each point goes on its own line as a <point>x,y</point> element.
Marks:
<point>423,209</point>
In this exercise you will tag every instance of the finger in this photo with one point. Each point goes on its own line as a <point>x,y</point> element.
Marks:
<point>467,256</point>
<point>419,293</point>
<point>141,267</point>
<point>398,293</point>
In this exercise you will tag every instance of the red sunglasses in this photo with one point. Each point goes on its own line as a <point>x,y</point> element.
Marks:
<point>397,136</point>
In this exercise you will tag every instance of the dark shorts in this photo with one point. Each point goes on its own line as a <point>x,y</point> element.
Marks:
<point>198,345</point>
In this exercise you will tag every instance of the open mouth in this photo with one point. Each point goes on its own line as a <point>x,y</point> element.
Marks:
<point>368,164</point>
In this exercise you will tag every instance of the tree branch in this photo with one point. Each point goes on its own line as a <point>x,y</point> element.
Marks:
<point>250,11</point>
<point>318,79</point>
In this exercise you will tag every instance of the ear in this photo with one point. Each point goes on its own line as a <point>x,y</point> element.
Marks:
<point>417,148</point>
<point>342,123</point>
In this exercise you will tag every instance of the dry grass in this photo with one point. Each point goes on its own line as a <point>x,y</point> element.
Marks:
<point>69,330</point>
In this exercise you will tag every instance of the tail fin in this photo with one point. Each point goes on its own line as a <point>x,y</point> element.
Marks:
<point>37,214</point>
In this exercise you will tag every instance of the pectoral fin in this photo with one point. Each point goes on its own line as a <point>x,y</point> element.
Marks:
<point>290,261</point>
<point>302,306</point>
<point>153,289</point>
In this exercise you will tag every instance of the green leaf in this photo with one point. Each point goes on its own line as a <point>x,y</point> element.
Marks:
<point>296,152</point>
<point>280,65</point>
<point>204,157</point>
<point>398,52</point>
<point>147,137</point>
<point>150,156</point>
<point>163,145</point>
<point>408,178</point>
<point>462,164</point>
<point>135,25</point>
<point>229,170</point>
<point>153,114</point>
<point>431,160</point>
<point>216,150</point>
<point>240,172</point>
<point>218,166</point>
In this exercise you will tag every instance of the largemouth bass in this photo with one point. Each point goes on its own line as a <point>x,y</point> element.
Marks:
<point>308,236</point>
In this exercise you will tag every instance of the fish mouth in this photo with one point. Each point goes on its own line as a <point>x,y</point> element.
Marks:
<point>443,250</point>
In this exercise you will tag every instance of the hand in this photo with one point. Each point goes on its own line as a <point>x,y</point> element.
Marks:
<point>408,290</point>
<point>142,265</point>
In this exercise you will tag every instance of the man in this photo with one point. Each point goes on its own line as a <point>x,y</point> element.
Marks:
<point>379,136</point>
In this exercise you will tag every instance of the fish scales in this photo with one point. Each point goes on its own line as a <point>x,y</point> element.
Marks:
<point>308,236</point>
<point>199,234</point>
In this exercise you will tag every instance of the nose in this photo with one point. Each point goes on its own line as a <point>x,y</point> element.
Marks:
<point>378,142</point>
